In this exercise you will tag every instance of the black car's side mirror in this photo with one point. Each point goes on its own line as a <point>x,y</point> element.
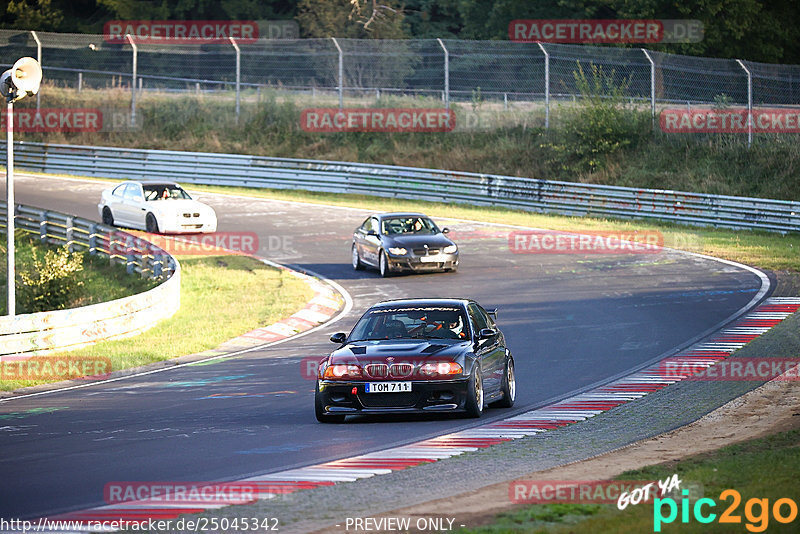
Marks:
<point>445,230</point>
<point>487,333</point>
<point>339,337</point>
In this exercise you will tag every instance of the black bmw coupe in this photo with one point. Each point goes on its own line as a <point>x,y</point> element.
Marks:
<point>417,356</point>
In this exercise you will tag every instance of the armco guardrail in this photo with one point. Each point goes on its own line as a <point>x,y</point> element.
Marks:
<point>45,332</point>
<point>544,196</point>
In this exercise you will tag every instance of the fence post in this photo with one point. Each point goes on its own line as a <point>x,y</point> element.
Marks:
<point>341,72</point>
<point>652,86</point>
<point>92,239</point>
<point>749,103</point>
<point>446,75</point>
<point>69,234</point>
<point>39,59</point>
<point>238,74</point>
<point>80,81</point>
<point>546,86</point>
<point>133,78</point>
<point>43,226</point>
<point>158,262</point>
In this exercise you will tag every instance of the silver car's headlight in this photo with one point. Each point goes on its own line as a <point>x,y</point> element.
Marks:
<point>397,251</point>
<point>450,249</point>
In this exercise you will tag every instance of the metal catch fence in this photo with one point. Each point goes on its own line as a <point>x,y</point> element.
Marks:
<point>519,75</point>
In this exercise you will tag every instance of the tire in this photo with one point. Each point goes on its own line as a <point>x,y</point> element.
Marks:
<point>357,265</point>
<point>508,387</point>
<point>108,217</point>
<point>319,410</point>
<point>474,403</point>
<point>151,224</point>
<point>383,265</point>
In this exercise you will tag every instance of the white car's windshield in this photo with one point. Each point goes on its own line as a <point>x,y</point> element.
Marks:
<point>164,192</point>
<point>439,322</point>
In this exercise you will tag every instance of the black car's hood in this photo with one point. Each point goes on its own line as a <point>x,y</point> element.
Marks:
<point>401,350</point>
<point>419,241</point>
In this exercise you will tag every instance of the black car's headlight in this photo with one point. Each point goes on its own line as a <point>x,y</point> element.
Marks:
<point>397,251</point>
<point>450,249</point>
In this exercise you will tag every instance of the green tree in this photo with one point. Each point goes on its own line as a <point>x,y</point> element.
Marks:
<point>355,19</point>
<point>199,9</point>
<point>34,15</point>
<point>429,19</point>
<point>759,30</point>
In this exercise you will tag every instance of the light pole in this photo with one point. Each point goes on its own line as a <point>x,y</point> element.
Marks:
<point>19,81</point>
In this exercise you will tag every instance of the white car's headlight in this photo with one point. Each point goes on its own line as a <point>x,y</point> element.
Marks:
<point>397,251</point>
<point>450,249</point>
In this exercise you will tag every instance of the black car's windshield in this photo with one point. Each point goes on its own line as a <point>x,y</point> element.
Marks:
<point>434,322</point>
<point>164,192</point>
<point>408,225</point>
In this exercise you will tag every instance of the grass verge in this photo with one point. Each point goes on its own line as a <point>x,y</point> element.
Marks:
<point>221,298</point>
<point>102,280</point>
<point>765,468</point>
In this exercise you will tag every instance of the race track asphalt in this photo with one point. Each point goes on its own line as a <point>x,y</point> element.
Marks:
<point>571,321</point>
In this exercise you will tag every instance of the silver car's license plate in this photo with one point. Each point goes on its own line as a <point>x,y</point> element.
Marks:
<point>433,258</point>
<point>387,387</point>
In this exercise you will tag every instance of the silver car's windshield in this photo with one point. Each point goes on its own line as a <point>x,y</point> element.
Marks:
<point>165,192</point>
<point>408,225</point>
<point>435,322</point>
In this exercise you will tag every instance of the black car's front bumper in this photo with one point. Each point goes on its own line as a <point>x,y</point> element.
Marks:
<point>426,396</point>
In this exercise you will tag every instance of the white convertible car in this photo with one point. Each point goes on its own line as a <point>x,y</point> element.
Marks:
<point>157,207</point>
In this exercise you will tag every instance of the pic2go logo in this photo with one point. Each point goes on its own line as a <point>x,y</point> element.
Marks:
<point>756,511</point>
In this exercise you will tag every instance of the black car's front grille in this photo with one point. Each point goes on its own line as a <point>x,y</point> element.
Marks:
<point>400,370</point>
<point>388,400</point>
<point>376,370</point>
<point>424,251</point>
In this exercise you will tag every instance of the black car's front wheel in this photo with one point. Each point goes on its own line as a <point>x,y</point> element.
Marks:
<point>508,387</point>
<point>319,410</point>
<point>474,404</point>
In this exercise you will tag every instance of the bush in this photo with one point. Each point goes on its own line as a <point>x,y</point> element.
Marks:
<point>601,123</point>
<point>48,282</point>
